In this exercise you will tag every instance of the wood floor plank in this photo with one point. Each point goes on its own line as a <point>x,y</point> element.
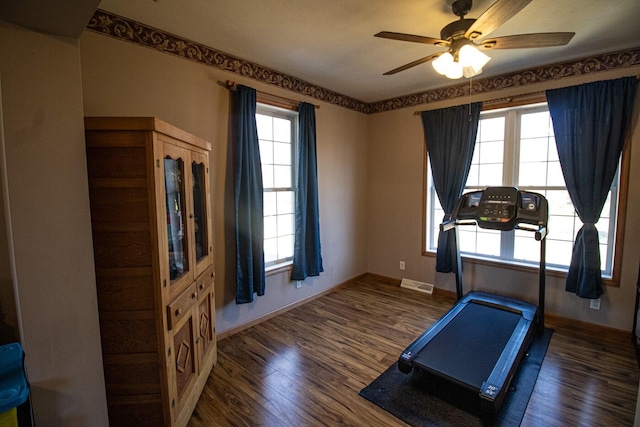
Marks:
<point>306,366</point>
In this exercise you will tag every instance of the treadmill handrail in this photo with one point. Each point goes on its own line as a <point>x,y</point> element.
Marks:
<point>540,232</point>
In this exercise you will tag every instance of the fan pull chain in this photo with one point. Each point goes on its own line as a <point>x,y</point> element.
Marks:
<point>470,78</point>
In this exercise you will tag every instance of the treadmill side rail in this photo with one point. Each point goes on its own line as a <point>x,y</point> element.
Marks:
<point>494,389</point>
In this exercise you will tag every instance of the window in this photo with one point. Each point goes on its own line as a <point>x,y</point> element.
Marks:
<point>516,147</point>
<point>277,135</point>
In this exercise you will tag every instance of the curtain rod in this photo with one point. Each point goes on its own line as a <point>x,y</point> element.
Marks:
<point>507,101</point>
<point>267,98</point>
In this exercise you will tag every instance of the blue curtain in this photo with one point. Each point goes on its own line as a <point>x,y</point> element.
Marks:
<point>307,257</point>
<point>589,122</point>
<point>250,275</point>
<point>450,135</point>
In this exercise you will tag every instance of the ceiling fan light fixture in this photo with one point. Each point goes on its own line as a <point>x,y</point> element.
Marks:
<point>455,70</point>
<point>473,59</point>
<point>442,63</point>
<point>468,63</point>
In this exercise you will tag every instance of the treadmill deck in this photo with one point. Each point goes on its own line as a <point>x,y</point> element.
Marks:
<point>477,344</point>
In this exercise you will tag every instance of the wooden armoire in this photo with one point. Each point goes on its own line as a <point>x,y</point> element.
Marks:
<point>152,239</point>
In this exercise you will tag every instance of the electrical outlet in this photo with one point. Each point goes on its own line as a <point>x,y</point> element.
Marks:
<point>595,304</point>
<point>298,284</point>
<point>401,265</point>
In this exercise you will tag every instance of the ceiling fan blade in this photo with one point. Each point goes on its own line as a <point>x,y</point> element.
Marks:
<point>497,14</point>
<point>411,38</point>
<point>413,64</point>
<point>527,40</point>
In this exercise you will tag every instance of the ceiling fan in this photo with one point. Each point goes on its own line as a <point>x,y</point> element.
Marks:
<point>462,36</point>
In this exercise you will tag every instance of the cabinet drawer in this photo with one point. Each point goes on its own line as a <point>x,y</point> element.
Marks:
<point>179,307</point>
<point>205,280</point>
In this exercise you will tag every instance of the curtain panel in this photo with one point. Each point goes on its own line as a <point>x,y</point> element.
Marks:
<point>307,257</point>
<point>589,122</point>
<point>450,135</point>
<point>249,218</point>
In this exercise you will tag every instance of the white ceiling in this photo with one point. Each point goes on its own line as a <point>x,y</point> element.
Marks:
<point>330,43</point>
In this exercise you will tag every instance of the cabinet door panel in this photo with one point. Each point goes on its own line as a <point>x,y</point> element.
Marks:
<point>201,213</point>
<point>206,324</point>
<point>175,161</point>
<point>185,364</point>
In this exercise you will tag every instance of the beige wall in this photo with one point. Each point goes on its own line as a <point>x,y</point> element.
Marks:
<point>395,220</point>
<point>49,236</point>
<point>370,171</point>
<point>119,78</point>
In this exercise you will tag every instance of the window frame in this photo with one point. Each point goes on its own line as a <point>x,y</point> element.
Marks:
<point>277,111</point>
<point>623,171</point>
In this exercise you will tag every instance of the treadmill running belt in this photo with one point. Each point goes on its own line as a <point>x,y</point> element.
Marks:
<point>468,347</point>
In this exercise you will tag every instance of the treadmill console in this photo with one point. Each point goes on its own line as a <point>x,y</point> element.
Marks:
<point>502,208</point>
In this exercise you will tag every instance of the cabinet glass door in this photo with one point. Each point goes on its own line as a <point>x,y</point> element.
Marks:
<point>176,233</point>
<point>199,165</point>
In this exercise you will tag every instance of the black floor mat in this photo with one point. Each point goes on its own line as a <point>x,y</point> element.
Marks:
<point>420,401</point>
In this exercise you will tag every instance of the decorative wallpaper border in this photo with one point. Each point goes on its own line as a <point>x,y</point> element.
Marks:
<point>585,66</point>
<point>134,32</point>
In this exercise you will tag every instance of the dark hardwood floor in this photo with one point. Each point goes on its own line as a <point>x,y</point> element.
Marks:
<point>305,367</point>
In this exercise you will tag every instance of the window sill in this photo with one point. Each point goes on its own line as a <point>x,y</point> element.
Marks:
<point>553,272</point>
<point>278,268</point>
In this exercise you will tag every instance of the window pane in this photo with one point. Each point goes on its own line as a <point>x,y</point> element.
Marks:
<point>491,129</point>
<point>479,241</point>
<point>436,218</point>
<point>285,202</point>
<point>607,207</point>
<point>488,243</point>
<point>270,250</point>
<point>473,180</point>
<point>281,153</point>
<point>285,247</point>
<point>281,129</point>
<point>270,226</point>
<point>526,248</point>
<point>490,152</point>
<point>491,175</point>
<point>467,238</point>
<point>267,176</point>
<point>535,125</point>
<point>534,150</point>
<point>562,227</point>
<point>553,150</point>
<point>603,231</point>
<point>264,125</point>
<point>555,176</point>
<point>266,151</point>
<point>282,176</point>
<point>560,203</point>
<point>533,174</point>
<point>270,203</point>
<point>559,252</point>
<point>603,258</point>
<point>285,224</point>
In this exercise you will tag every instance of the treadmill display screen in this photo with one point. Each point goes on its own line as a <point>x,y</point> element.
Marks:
<point>498,208</point>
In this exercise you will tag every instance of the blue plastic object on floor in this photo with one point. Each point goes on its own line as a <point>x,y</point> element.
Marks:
<point>14,390</point>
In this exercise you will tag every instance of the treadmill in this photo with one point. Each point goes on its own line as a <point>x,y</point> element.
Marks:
<point>479,343</point>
